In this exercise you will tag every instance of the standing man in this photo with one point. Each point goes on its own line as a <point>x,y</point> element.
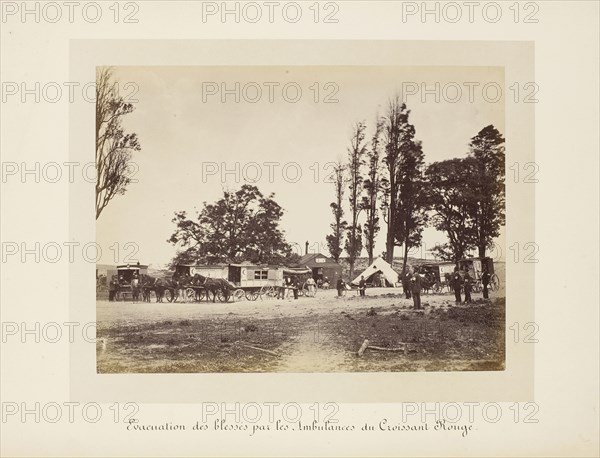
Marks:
<point>362,285</point>
<point>416,289</point>
<point>281,290</point>
<point>485,280</point>
<point>135,287</point>
<point>468,284</point>
<point>311,286</point>
<point>456,285</point>
<point>181,288</point>
<point>112,288</point>
<point>406,283</point>
<point>296,287</point>
<point>340,287</point>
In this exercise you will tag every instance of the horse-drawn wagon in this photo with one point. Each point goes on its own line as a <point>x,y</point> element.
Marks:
<point>237,281</point>
<point>255,281</point>
<point>436,275</point>
<point>475,268</point>
<point>128,278</point>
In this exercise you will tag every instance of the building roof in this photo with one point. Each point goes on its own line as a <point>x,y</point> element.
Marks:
<point>310,260</point>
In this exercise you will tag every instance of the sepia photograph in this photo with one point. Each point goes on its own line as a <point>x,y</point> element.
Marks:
<point>300,219</point>
<point>279,229</point>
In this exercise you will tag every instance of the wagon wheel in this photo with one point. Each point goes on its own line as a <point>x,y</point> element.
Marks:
<point>251,295</point>
<point>494,283</point>
<point>307,291</point>
<point>437,288</point>
<point>191,295</point>
<point>169,295</point>
<point>269,291</point>
<point>238,295</point>
<point>223,295</point>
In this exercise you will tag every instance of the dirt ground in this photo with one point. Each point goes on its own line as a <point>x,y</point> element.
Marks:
<point>321,334</point>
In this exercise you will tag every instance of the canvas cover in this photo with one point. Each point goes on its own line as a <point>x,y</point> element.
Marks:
<point>379,265</point>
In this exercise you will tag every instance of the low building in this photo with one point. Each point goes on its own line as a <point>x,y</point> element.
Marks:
<point>323,268</point>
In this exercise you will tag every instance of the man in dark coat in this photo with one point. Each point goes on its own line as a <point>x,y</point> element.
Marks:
<point>415,282</point>
<point>406,286</point>
<point>468,282</point>
<point>340,287</point>
<point>456,285</point>
<point>113,286</point>
<point>485,280</point>
<point>135,287</point>
<point>362,285</point>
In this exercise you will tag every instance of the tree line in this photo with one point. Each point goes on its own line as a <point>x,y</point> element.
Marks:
<point>389,187</point>
<point>384,184</point>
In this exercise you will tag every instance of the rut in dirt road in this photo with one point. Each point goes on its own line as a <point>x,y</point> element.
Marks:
<point>313,351</point>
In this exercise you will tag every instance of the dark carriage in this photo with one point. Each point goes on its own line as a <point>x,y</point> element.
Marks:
<point>475,268</point>
<point>436,275</point>
<point>127,277</point>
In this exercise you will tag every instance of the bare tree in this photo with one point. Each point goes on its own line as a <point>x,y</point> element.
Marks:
<point>356,161</point>
<point>372,187</point>
<point>114,147</point>
<point>336,238</point>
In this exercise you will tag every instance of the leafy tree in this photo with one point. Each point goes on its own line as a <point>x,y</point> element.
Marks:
<point>399,141</point>
<point>241,226</point>
<point>488,210</point>
<point>412,200</point>
<point>404,196</point>
<point>451,199</point>
<point>114,147</point>
<point>356,161</point>
<point>336,238</point>
<point>372,188</point>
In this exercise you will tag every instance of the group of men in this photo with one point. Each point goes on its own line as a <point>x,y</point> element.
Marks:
<point>113,286</point>
<point>413,281</point>
<point>296,285</point>
<point>413,284</point>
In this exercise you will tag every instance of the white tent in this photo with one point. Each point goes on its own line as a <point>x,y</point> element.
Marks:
<point>379,265</point>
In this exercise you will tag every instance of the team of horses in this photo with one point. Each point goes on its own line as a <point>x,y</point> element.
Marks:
<point>177,284</point>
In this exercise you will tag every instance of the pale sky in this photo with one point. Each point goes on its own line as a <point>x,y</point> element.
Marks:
<point>183,128</point>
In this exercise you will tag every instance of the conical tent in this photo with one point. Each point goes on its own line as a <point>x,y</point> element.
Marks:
<point>379,265</point>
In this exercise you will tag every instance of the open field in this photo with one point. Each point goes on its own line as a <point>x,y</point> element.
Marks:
<point>321,334</point>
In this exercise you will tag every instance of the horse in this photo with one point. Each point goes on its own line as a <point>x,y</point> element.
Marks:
<point>214,286</point>
<point>147,284</point>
